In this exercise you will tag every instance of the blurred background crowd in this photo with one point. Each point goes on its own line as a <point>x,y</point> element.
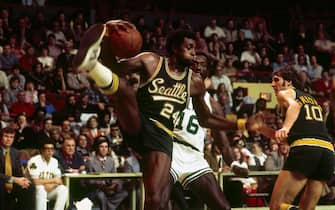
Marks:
<point>43,96</point>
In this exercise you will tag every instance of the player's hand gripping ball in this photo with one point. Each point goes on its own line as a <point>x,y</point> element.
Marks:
<point>125,39</point>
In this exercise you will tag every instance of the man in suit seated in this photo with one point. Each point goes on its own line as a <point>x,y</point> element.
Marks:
<point>109,193</point>
<point>16,191</point>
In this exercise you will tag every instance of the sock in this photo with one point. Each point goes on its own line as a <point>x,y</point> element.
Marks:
<point>104,78</point>
<point>286,206</point>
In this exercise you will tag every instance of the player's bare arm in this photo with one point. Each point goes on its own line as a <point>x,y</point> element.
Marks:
<point>205,117</point>
<point>287,98</point>
<point>144,63</point>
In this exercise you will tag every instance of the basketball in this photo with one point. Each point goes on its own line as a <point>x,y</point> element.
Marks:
<point>125,39</point>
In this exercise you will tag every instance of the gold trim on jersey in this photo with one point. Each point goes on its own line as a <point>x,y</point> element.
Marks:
<point>158,67</point>
<point>161,126</point>
<point>171,74</point>
<point>168,98</point>
<point>313,142</point>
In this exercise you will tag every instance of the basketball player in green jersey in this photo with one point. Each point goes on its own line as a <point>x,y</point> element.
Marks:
<point>147,118</point>
<point>311,158</point>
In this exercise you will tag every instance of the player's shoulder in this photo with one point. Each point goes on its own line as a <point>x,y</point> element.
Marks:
<point>286,94</point>
<point>149,56</point>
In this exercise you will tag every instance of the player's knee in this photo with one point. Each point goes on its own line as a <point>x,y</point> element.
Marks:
<point>153,200</point>
<point>226,207</point>
<point>274,205</point>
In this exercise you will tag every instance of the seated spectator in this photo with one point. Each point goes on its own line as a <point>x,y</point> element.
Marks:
<point>8,59</point>
<point>76,81</point>
<point>57,82</point>
<point>10,95</point>
<point>4,112</point>
<point>38,77</point>
<point>200,42</point>
<point>43,126</point>
<point>323,86</point>
<point>83,146</point>
<point>28,60</point>
<point>48,62</point>
<point>277,156</point>
<point>45,173</point>
<point>239,159</point>
<point>15,46</point>
<point>77,33</point>
<point>315,69</point>
<point>54,50</point>
<point>42,103</point>
<point>279,63</point>
<point>301,52</point>
<point>16,72</point>
<point>96,96</point>
<point>69,160</point>
<point>4,82</point>
<point>214,158</point>
<point>213,28</point>
<point>64,60</point>
<point>38,122</point>
<point>30,92</point>
<point>16,191</point>
<point>66,129</point>
<point>219,77</point>
<point>56,137</point>
<point>231,31</point>
<point>104,120</point>
<point>69,108</point>
<point>323,48</point>
<point>247,30</point>
<point>93,128</point>
<point>24,134</point>
<point>264,70</point>
<point>230,53</point>
<point>85,107</point>
<point>216,48</point>
<point>288,54</point>
<point>21,106</point>
<point>115,133</point>
<point>224,98</point>
<point>58,34</point>
<point>109,193</point>
<point>257,157</point>
<point>301,65</point>
<point>249,54</point>
<point>245,73</point>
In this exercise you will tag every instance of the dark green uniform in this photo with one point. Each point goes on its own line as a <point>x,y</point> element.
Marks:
<point>312,152</point>
<point>160,102</point>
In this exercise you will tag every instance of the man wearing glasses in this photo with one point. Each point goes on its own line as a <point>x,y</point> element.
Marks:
<point>46,175</point>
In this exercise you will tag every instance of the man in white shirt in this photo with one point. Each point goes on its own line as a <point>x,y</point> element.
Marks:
<point>46,175</point>
<point>213,28</point>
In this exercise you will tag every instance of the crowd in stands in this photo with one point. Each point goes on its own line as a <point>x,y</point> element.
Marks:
<point>44,98</point>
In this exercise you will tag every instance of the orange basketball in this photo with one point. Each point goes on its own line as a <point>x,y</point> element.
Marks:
<point>125,39</point>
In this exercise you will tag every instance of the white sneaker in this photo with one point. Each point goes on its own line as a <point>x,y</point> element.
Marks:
<point>89,49</point>
<point>84,204</point>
